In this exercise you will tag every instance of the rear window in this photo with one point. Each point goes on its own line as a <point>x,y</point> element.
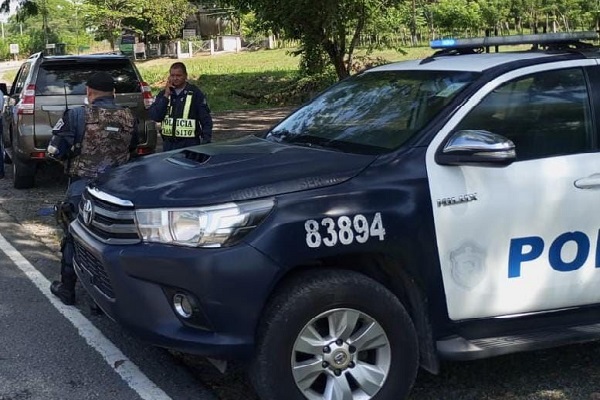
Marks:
<point>68,77</point>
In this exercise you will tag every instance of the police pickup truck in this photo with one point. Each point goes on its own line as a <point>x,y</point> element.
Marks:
<point>423,210</point>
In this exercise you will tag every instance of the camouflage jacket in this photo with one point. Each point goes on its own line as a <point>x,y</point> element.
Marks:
<point>99,137</point>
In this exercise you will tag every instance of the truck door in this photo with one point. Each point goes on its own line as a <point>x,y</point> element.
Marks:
<point>522,238</point>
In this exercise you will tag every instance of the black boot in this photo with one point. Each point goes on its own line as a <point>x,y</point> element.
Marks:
<point>65,293</point>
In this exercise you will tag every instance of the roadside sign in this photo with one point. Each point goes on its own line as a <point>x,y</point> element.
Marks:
<point>14,48</point>
<point>128,39</point>
<point>189,33</point>
<point>127,44</point>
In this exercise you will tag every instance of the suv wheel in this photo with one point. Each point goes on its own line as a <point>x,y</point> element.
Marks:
<point>335,334</point>
<point>24,174</point>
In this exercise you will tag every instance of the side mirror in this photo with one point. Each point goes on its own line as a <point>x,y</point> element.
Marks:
<point>4,89</point>
<point>477,147</point>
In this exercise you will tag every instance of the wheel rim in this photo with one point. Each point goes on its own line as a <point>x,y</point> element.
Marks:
<point>342,354</point>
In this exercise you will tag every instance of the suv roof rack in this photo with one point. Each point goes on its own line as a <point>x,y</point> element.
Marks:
<point>35,55</point>
<point>550,41</point>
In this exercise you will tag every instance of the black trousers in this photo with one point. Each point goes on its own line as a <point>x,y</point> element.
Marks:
<point>1,151</point>
<point>67,245</point>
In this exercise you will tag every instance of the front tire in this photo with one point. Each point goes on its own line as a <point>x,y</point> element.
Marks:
<point>335,335</point>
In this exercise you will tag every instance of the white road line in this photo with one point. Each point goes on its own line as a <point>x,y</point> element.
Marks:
<point>130,373</point>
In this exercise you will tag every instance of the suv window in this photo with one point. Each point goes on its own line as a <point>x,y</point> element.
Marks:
<point>59,78</point>
<point>21,78</point>
<point>374,112</point>
<point>544,114</point>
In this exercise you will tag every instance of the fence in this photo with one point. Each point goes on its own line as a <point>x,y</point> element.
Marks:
<point>188,48</point>
<point>234,43</point>
<point>162,49</point>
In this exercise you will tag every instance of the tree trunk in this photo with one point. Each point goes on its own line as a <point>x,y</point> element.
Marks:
<point>353,43</point>
<point>337,59</point>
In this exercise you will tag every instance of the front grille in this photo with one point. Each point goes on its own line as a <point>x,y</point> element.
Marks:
<point>94,267</point>
<point>108,221</point>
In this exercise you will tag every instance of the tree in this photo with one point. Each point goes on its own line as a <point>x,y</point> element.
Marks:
<point>47,21</point>
<point>107,17</point>
<point>457,16</point>
<point>413,16</point>
<point>160,19</point>
<point>331,28</point>
<point>493,13</point>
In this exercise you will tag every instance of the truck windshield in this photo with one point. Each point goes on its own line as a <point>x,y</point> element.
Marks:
<point>372,113</point>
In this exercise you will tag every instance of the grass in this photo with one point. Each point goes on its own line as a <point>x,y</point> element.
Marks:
<point>221,74</point>
<point>250,79</point>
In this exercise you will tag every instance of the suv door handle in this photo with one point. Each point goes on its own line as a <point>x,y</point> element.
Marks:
<point>591,182</point>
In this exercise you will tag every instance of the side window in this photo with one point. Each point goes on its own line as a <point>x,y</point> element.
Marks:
<point>20,79</point>
<point>544,114</point>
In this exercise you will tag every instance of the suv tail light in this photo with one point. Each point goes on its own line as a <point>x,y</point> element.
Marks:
<point>27,103</point>
<point>143,150</point>
<point>147,94</point>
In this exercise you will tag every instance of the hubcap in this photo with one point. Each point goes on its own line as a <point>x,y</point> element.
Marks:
<point>341,354</point>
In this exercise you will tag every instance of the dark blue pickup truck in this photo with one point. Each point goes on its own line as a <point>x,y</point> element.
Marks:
<point>419,211</point>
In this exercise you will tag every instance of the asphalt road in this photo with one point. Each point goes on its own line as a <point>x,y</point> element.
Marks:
<point>50,351</point>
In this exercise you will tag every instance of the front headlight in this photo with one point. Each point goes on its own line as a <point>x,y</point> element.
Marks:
<point>213,226</point>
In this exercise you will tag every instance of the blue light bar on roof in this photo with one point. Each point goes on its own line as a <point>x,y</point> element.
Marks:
<point>543,38</point>
<point>443,43</point>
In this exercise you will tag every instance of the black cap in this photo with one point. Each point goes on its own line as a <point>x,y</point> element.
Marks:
<point>101,81</point>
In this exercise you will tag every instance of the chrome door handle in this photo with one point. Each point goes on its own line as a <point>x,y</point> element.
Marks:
<point>591,182</point>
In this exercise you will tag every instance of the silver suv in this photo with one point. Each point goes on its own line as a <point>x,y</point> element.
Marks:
<point>46,86</point>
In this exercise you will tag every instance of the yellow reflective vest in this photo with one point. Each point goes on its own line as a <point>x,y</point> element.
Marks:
<point>183,127</point>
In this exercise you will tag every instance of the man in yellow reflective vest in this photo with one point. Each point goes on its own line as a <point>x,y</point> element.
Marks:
<point>183,112</point>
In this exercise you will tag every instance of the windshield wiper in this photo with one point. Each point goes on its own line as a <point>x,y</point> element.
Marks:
<point>315,142</point>
<point>280,135</point>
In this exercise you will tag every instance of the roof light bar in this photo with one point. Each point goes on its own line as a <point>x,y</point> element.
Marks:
<point>543,38</point>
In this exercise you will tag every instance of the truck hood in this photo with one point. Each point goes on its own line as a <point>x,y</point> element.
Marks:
<point>238,170</point>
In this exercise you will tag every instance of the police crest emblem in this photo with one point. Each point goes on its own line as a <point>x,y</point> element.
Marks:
<point>467,265</point>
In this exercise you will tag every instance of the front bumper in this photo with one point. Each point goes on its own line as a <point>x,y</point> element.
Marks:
<point>133,286</point>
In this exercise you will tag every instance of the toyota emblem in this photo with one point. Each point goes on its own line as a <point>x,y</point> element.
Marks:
<point>88,212</point>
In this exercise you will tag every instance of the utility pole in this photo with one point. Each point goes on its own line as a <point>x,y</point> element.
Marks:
<point>45,20</point>
<point>413,23</point>
<point>598,16</point>
<point>76,28</point>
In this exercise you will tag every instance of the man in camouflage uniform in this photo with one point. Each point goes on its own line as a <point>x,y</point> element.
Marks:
<point>90,140</point>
